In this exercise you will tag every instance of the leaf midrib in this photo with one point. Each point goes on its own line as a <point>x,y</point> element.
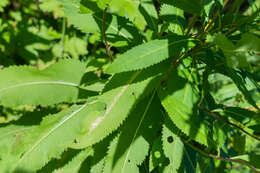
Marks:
<point>40,83</point>
<point>115,100</point>
<point>139,125</point>
<point>64,120</point>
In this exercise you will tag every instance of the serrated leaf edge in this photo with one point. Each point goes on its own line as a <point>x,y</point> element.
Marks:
<point>147,54</point>
<point>65,119</point>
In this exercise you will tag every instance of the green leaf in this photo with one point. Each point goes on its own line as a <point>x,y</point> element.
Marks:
<point>120,97</point>
<point>173,149</point>
<point>28,85</point>
<point>92,23</point>
<point>130,148</point>
<point>157,158</point>
<point>46,140</point>
<point>129,9</point>
<point>241,115</point>
<point>249,46</point>
<point>149,12</point>
<point>233,56</point>
<point>241,85</point>
<point>252,158</point>
<point>148,54</point>
<point>190,6</point>
<point>75,164</point>
<point>179,99</point>
<point>175,17</point>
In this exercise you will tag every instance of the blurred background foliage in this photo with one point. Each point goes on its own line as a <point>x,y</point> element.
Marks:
<point>35,32</point>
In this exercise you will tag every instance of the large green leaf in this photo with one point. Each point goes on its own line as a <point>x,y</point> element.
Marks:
<point>30,149</point>
<point>28,85</point>
<point>120,96</point>
<point>148,54</point>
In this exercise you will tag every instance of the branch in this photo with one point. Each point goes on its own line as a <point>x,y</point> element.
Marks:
<point>104,35</point>
<point>239,161</point>
<point>228,122</point>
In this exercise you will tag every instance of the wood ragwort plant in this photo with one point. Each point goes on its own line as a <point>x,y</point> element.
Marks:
<point>179,93</point>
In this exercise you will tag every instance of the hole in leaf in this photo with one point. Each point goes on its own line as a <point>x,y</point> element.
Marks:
<point>21,155</point>
<point>128,161</point>
<point>170,139</point>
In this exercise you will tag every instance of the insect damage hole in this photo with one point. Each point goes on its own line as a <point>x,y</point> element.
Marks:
<point>170,139</point>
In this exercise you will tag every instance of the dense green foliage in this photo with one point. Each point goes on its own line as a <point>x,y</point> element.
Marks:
<point>128,86</point>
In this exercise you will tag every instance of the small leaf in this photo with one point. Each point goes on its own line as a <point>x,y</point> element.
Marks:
<point>129,9</point>
<point>175,17</point>
<point>233,57</point>
<point>190,6</point>
<point>75,164</point>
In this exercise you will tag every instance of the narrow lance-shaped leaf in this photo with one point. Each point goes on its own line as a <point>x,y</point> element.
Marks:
<point>179,98</point>
<point>130,148</point>
<point>148,54</point>
<point>47,140</point>
<point>148,10</point>
<point>28,85</point>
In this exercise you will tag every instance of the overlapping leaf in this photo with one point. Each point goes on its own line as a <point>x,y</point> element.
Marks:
<point>28,85</point>
<point>173,149</point>
<point>46,140</point>
<point>93,22</point>
<point>120,97</point>
<point>75,164</point>
<point>190,6</point>
<point>148,54</point>
<point>130,148</point>
<point>179,99</point>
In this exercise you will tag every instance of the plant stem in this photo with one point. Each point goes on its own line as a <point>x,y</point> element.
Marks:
<point>240,161</point>
<point>228,122</point>
<point>63,36</point>
<point>104,35</point>
<point>191,24</point>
